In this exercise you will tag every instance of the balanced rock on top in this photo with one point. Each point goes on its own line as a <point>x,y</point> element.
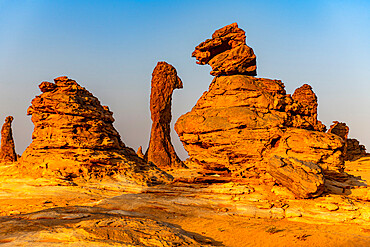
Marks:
<point>160,150</point>
<point>7,148</point>
<point>227,52</point>
<point>74,138</point>
<point>247,126</point>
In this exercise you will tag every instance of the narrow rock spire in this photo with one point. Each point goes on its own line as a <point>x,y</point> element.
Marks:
<point>160,150</point>
<point>7,149</point>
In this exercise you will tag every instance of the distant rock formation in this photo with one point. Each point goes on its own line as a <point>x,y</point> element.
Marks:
<point>352,148</point>
<point>7,149</point>
<point>160,150</point>
<point>247,125</point>
<point>74,138</point>
<point>227,52</point>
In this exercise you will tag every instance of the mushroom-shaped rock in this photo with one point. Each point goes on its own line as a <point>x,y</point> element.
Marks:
<point>160,150</point>
<point>227,52</point>
<point>74,138</point>
<point>7,148</point>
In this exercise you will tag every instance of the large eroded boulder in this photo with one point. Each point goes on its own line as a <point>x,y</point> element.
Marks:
<point>241,119</point>
<point>242,122</point>
<point>74,137</point>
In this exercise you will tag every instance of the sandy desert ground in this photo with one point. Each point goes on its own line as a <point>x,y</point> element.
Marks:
<point>42,212</point>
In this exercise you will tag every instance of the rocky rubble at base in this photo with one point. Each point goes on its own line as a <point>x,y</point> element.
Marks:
<point>241,122</point>
<point>74,139</point>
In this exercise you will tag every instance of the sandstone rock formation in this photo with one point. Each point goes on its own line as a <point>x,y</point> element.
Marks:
<point>160,150</point>
<point>352,148</point>
<point>74,138</point>
<point>227,52</point>
<point>304,112</point>
<point>242,122</point>
<point>7,149</point>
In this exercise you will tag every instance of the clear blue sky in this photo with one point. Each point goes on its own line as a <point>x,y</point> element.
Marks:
<point>111,48</point>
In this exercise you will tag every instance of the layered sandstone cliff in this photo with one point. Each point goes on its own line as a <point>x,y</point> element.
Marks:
<point>246,125</point>
<point>7,148</point>
<point>74,138</point>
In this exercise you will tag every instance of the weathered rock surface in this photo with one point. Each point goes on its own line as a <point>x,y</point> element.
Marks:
<point>7,148</point>
<point>74,138</point>
<point>227,52</point>
<point>160,150</point>
<point>86,226</point>
<point>243,121</point>
<point>304,179</point>
<point>352,148</point>
<point>304,112</point>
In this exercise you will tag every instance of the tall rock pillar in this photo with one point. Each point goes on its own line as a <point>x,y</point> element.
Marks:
<point>160,150</point>
<point>7,149</point>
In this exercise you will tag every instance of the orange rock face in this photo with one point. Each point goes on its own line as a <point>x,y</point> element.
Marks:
<point>160,150</point>
<point>305,109</point>
<point>74,138</point>
<point>242,122</point>
<point>227,52</point>
<point>7,149</point>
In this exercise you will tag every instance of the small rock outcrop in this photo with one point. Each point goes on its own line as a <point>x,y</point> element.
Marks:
<point>7,148</point>
<point>241,123</point>
<point>352,148</point>
<point>227,52</point>
<point>160,150</point>
<point>304,109</point>
<point>74,138</point>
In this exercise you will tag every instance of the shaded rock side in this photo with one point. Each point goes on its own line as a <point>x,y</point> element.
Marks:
<point>7,148</point>
<point>227,52</point>
<point>304,179</point>
<point>161,151</point>
<point>339,129</point>
<point>74,138</point>
<point>241,120</point>
<point>352,148</point>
